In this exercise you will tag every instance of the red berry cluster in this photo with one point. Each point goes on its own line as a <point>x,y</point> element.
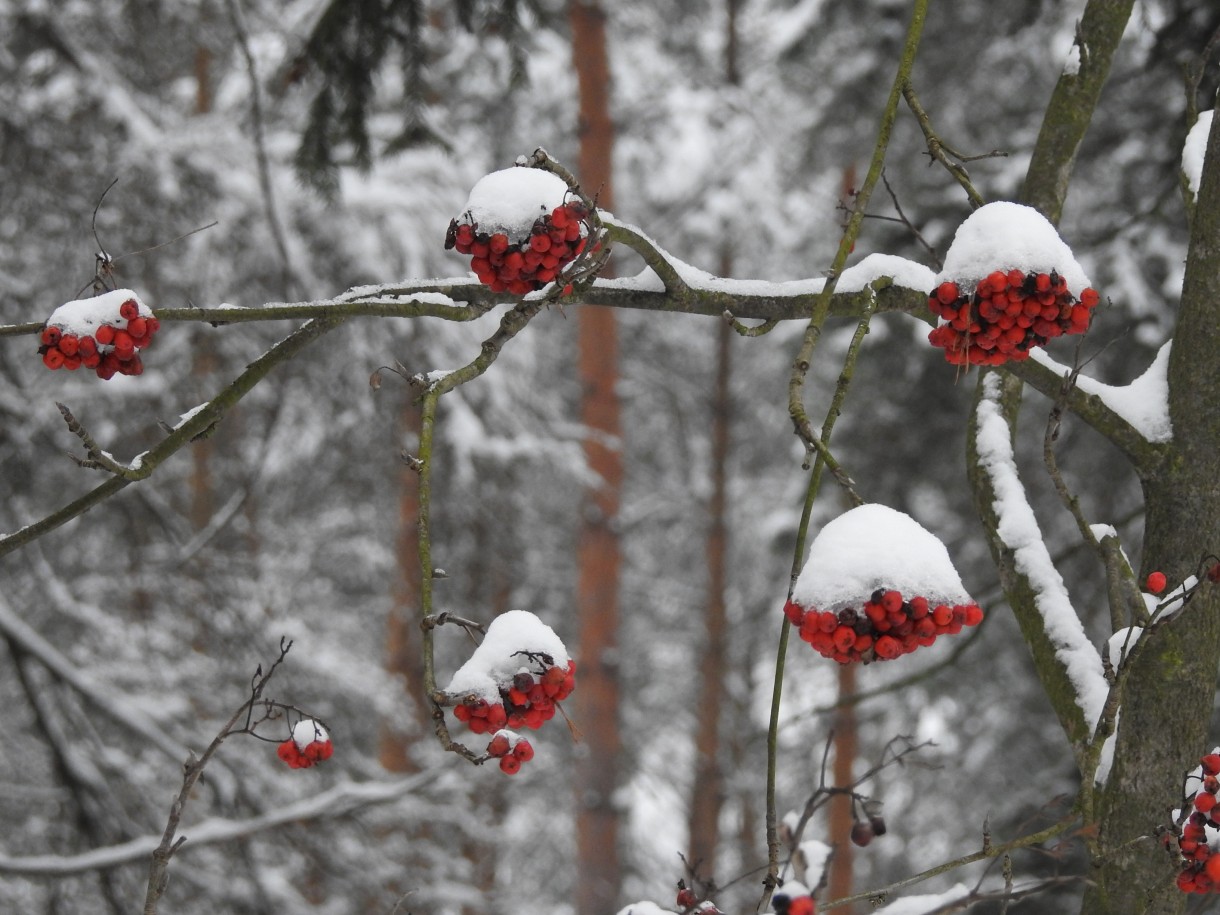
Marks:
<point>1008,314</point>
<point>1200,862</point>
<point>885,627</point>
<point>864,831</point>
<point>689,902</point>
<point>786,904</point>
<point>512,751</point>
<point>527,700</point>
<point>521,265</point>
<point>308,744</point>
<point>113,347</point>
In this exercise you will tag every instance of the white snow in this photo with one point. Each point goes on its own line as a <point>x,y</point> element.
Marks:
<point>1144,402</point>
<point>498,657</point>
<point>903,272</point>
<point>1018,529</point>
<point>644,908</point>
<point>1007,236</point>
<point>190,414</point>
<point>792,889</point>
<point>511,199</point>
<point>921,905</point>
<point>1102,531</point>
<point>1072,65</point>
<point>1173,601</point>
<point>817,856</point>
<point>306,731</point>
<point>871,547</point>
<point>1122,643</point>
<point>1194,151</point>
<point>83,316</point>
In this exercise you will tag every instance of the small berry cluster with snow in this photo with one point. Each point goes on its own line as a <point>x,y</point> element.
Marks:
<point>688,902</point>
<point>1199,839</point>
<point>1009,284</point>
<point>105,333</point>
<point>528,700</point>
<point>309,744</point>
<point>1008,314</point>
<point>520,228</point>
<point>885,627</point>
<point>877,585</point>
<point>511,749</point>
<point>516,678</point>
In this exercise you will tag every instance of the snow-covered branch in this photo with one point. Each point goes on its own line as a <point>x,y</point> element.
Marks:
<point>1067,662</point>
<point>338,801</point>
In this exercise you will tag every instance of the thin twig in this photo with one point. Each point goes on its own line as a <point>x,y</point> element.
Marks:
<point>158,874</point>
<point>902,218</point>
<point>940,152</point>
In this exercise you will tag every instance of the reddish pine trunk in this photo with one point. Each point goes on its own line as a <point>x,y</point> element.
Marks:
<point>403,650</point>
<point>707,796</point>
<point>841,819</point>
<point>598,873</point>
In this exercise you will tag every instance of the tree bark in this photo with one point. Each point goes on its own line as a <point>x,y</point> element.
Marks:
<point>842,865</point>
<point>403,637</point>
<point>708,790</point>
<point>1167,707</point>
<point>598,867</point>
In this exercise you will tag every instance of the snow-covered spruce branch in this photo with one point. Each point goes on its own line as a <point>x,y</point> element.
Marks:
<point>196,423</point>
<point>338,801</point>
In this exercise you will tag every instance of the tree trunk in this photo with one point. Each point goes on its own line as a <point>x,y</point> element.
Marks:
<point>842,865</point>
<point>1167,707</point>
<point>598,869</point>
<point>403,658</point>
<point>708,792</point>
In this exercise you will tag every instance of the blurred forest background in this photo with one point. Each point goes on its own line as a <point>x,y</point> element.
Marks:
<point>297,517</point>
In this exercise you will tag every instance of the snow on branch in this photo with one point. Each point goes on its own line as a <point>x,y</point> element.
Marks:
<point>1017,527</point>
<point>1143,403</point>
<point>338,801</point>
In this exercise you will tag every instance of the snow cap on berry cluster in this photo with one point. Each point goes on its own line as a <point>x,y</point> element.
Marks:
<point>504,651</point>
<point>1009,236</point>
<point>84,316</point>
<point>511,199</point>
<point>874,546</point>
<point>306,731</point>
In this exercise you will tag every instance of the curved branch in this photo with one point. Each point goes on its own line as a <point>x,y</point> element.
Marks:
<point>339,801</point>
<point>198,422</point>
<point>1017,550</point>
<point>1072,105</point>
